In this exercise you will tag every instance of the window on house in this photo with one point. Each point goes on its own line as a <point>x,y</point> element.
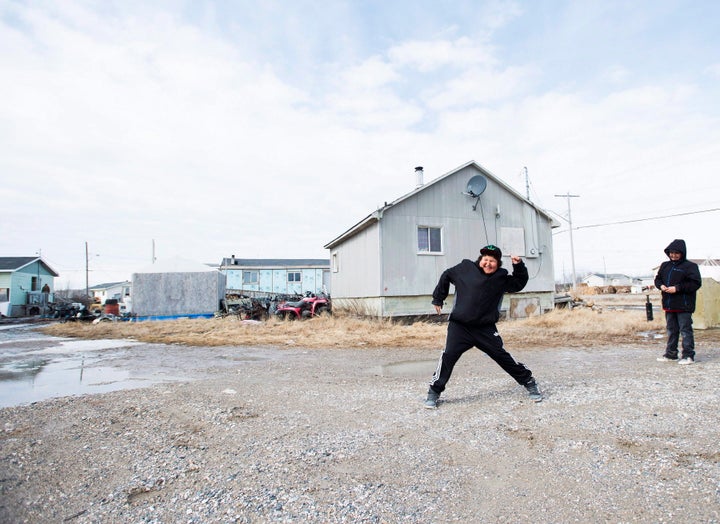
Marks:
<point>294,276</point>
<point>429,239</point>
<point>335,263</point>
<point>250,277</point>
<point>4,294</point>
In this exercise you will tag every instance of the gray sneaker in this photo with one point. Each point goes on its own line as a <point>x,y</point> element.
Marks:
<point>685,361</point>
<point>666,359</point>
<point>432,399</point>
<point>534,391</point>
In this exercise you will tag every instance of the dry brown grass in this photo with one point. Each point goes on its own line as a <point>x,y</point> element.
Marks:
<point>580,327</point>
<point>320,332</point>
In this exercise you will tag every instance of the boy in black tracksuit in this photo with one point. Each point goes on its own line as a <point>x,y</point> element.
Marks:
<point>678,279</point>
<point>479,289</point>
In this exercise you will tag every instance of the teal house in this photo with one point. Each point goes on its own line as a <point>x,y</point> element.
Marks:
<point>26,286</point>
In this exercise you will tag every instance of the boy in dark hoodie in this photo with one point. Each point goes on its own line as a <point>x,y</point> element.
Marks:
<point>479,289</point>
<point>678,279</point>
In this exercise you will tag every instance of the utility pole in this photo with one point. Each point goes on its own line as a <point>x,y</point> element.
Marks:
<point>572,248</point>
<point>87,271</point>
<point>527,184</point>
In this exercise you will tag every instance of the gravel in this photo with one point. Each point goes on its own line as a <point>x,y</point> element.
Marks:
<point>342,436</point>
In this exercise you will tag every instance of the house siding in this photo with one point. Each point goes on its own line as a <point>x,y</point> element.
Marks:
<point>177,294</point>
<point>275,280</point>
<point>464,232</point>
<point>358,262</point>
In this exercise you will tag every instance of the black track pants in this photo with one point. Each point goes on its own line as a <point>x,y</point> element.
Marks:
<point>460,338</point>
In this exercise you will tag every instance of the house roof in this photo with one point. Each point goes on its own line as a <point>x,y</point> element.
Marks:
<point>606,275</point>
<point>702,262</point>
<point>176,265</point>
<point>706,261</point>
<point>275,262</point>
<point>12,264</point>
<point>376,215</point>
<point>108,285</point>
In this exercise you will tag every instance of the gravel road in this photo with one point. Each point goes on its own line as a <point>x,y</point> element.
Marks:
<point>341,436</point>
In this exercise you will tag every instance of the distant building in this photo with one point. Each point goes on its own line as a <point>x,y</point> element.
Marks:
<point>610,279</point>
<point>26,286</point>
<point>388,264</point>
<point>276,275</point>
<point>111,290</point>
<point>709,268</point>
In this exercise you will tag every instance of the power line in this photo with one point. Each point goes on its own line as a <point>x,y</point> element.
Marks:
<point>647,219</point>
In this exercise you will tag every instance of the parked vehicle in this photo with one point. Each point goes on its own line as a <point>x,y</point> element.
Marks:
<point>309,306</point>
<point>74,312</point>
<point>247,308</point>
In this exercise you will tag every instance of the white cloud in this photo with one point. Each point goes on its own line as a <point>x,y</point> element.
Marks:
<point>429,55</point>
<point>479,87</point>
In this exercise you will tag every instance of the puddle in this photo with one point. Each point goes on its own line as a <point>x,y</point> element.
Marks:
<point>77,346</point>
<point>34,367</point>
<point>409,368</point>
<point>39,379</point>
<point>651,334</point>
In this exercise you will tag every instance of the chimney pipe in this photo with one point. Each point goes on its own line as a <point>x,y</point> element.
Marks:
<point>419,176</point>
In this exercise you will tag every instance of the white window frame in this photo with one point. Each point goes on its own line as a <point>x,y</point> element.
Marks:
<point>429,240</point>
<point>250,272</point>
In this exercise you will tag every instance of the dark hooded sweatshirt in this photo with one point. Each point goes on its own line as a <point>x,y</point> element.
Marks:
<point>477,295</point>
<point>684,275</point>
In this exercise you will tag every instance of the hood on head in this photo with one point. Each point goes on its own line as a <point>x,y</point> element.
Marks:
<point>677,245</point>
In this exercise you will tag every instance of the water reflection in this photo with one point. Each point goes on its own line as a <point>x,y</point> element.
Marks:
<point>26,370</point>
<point>40,379</point>
<point>34,367</point>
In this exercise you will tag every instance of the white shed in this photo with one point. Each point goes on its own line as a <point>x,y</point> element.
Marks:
<point>388,264</point>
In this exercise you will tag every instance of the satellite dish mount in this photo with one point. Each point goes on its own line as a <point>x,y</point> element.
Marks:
<point>475,187</point>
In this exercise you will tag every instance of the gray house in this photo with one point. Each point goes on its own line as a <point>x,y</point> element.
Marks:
<point>276,275</point>
<point>388,264</point>
<point>26,286</point>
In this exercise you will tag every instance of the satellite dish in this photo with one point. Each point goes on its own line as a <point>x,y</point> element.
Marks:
<point>476,185</point>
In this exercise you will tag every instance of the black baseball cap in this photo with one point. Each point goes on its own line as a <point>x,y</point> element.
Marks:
<point>491,251</point>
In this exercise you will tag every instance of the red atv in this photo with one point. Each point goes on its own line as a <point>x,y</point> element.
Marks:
<point>309,306</point>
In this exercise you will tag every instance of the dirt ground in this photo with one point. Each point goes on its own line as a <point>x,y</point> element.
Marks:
<point>269,435</point>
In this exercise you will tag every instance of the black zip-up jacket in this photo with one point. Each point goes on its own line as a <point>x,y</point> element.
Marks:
<point>478,296</point>
<point>684,275</point>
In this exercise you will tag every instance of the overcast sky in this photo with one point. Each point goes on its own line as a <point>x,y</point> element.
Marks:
<point>265,129</point>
